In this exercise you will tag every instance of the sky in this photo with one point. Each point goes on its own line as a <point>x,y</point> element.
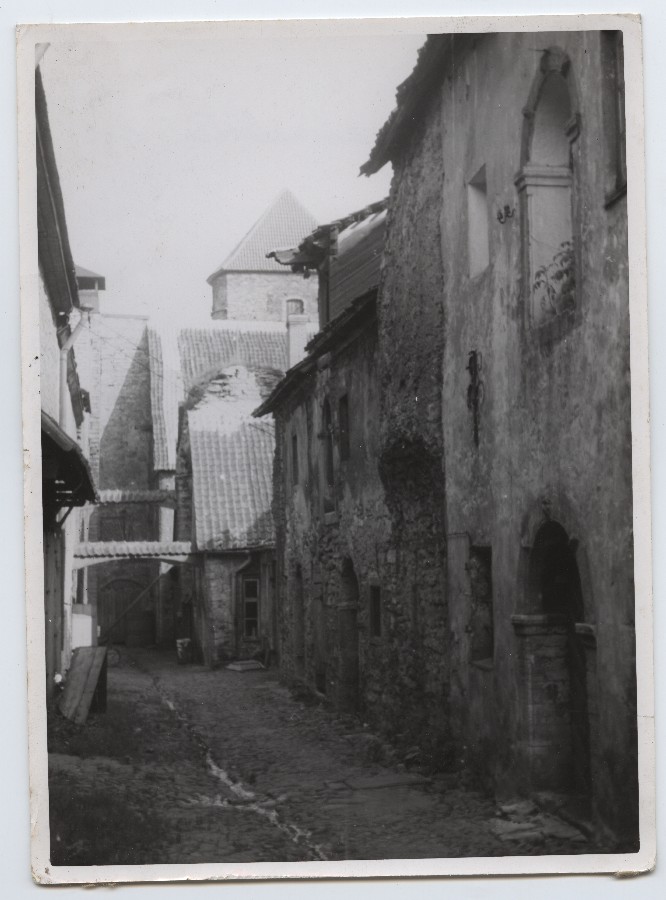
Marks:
<point>169,150</point>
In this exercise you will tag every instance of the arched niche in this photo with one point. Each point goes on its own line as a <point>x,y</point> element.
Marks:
<point>545,185</point>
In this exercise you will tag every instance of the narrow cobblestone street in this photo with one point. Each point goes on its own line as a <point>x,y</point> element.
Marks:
<point>221,766</point>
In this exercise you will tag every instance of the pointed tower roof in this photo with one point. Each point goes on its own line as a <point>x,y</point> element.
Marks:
<point>284,224</point>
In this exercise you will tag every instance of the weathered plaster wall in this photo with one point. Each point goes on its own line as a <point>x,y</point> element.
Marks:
<point>262,296</point>
<point>49,379</point>
<point>554,422</point>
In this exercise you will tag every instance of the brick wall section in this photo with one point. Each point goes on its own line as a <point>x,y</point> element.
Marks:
<point>262,296</point>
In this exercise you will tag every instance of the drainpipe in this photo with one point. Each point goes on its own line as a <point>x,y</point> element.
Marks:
<point>64,351</point>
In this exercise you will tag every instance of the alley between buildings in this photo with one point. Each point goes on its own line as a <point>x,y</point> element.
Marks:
<point>193,765</point>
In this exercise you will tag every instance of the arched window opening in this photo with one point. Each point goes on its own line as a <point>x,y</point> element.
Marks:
<point>545,184</point>
<point>554,575</point>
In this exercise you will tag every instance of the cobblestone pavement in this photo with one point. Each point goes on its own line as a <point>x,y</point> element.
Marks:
<point>223,766</point>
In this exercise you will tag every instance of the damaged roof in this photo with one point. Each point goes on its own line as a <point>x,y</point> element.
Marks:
<point>411,96</point>
<point>181,359</point>
<point>354,248</point>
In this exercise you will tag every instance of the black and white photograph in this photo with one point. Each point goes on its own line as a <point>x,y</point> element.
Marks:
<point>335,401</point>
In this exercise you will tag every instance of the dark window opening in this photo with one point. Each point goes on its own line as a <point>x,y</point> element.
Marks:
<point>294,459</point>
<point>328,461</point>
<point>481,628</point>
<point>295,307</point>
<point>343,417</point>
<point>375,611</point>
<point>251,607</point>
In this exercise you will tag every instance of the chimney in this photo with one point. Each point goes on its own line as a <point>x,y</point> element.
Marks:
<point>297,338</point>
<point>89,285</point>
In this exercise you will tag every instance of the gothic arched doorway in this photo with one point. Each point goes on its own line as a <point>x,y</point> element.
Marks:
<point>555,666</point>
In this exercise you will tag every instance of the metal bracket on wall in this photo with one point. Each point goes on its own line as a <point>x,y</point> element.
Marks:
<point>475,390</point>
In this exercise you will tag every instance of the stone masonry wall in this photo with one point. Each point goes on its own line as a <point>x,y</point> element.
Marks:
<point>411,336</point>
<point>334,565</point>
<point>262,296</point>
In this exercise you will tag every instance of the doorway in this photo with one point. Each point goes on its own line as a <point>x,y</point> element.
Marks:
<point>555,583</point>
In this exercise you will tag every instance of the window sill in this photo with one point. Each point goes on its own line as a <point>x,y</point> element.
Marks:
<point>486,665</point>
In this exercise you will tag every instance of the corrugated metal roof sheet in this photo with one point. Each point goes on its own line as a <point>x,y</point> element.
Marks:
<point>131,549</point>
<point>356,268</point>
<point>284,224</point>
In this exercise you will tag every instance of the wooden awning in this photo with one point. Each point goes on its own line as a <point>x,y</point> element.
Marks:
<point>66,477</point>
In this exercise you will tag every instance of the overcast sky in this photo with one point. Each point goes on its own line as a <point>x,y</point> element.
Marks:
<point>169,150</point>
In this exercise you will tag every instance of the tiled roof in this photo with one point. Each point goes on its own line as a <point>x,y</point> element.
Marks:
<point>181,359</point>
<point>232,478</point>
<point>204,350</point>
<point>284,224</point>
<point>132,549</point>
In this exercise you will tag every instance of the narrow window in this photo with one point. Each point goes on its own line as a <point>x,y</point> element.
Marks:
<point>375,611</point>
<point>343,419</point>
<point>481,628</point>
<point>295,307</point>
<point>294,459</point>
<point>477,223</point>
<point>329,472</point>
<point>251,607</point>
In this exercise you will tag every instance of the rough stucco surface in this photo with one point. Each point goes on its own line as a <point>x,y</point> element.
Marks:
<point>554,422</point>
<point>411,334</point>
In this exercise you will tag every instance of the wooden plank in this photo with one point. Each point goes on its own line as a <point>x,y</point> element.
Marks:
<point>82,680</point>
<point>94,671</point>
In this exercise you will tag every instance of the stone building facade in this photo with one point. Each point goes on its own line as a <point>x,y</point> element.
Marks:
<point>504,371</point>
<point>360,561</point>
<point>67,481</point>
